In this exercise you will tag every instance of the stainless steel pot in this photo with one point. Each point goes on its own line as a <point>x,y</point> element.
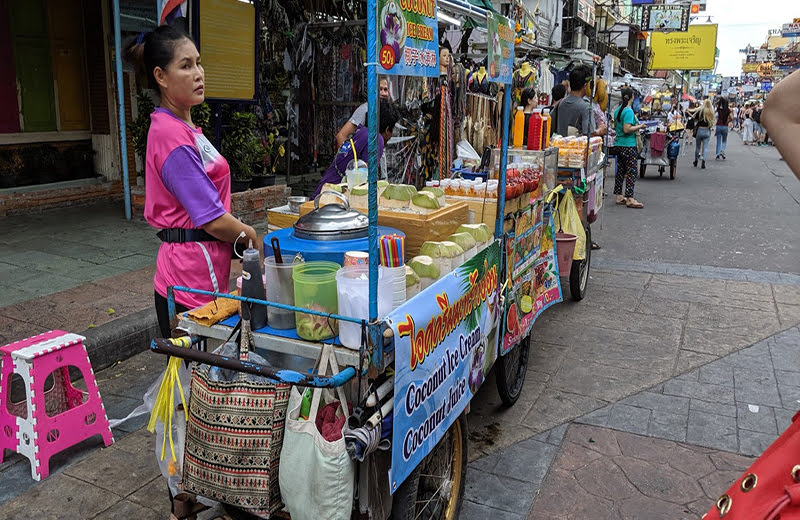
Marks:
<point>295,201</point>
<point>332,221</point>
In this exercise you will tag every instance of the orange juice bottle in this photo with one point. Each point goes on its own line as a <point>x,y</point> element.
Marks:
<point>546,133</point>
<point>519,127</point>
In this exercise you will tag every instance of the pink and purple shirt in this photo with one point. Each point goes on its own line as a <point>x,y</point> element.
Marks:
<point>187,185</point>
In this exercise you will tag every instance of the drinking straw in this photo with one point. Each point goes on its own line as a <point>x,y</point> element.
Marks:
<point>392,250</point>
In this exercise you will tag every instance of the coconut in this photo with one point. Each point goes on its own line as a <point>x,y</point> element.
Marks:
<point>438,193</point>
<point>480,232</point>
<point>397,196</point>
<point>326,199</point>
<point>437,252</point>
<point>427,270</point>
<point>454,252</point>
<point>413,284</point>
<point>382,186</point>
<point>359,196</point>
<point>467,243</point>
<point>425,202</point>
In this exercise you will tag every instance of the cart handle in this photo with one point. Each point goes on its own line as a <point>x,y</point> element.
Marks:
<point>177,347</point>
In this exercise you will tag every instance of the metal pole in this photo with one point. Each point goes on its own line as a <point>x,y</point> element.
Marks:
<point>501,187</point>
<point>375,337</point>
<point>121,99</point>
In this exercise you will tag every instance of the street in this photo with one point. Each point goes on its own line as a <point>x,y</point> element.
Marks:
<point>653,394</point>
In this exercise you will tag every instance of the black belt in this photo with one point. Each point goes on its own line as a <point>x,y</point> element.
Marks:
<point>181,235</point>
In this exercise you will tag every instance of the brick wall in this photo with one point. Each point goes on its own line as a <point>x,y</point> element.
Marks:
<point>39,200</point>
<point>250,206</point>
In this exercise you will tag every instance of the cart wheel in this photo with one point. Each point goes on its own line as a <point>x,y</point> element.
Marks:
<point>642,169</point>
<point>579,274</point>
<point>511,370</point>
<point>673,166</point>
<point>434,490</point>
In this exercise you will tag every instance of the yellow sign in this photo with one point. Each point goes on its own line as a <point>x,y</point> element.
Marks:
<point>694,49</point>
<point>228,48</point>
<point>750,67</point>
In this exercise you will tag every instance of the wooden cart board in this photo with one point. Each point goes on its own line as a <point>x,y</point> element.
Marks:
<point>480,210</point>
<point>280,217</point>
<point>419,228</point>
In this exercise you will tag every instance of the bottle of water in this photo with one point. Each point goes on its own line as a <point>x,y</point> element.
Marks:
<point>253,286</point>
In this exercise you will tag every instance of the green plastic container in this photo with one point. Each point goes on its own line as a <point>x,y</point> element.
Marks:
<point>315,289</point>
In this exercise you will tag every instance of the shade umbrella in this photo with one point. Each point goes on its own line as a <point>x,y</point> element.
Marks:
<point>687,97</point>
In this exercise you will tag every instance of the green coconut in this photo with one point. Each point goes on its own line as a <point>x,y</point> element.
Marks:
<point>383,183</point>
<point>438,193</point>
<point>411,276</point>
<point>463,239</point>
<point>432,249</point>
<point>425,202</point>
<point>359,196</point>
<point>397,195</point>
<point>360,190</point>
<point>480,232</point>
<point>426,268</point>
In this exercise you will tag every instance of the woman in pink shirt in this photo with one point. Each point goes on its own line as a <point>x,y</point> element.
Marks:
<point>187,181</point>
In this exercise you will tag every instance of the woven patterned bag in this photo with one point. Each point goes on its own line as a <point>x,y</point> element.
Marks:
<point>234,435</point>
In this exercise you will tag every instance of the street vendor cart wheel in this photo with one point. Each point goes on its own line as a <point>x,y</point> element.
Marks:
<point>673,166</point>
<point>579,274</point>
<point>435,489</point>
<point>511,370</point>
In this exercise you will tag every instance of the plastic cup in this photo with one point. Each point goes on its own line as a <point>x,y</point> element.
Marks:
<point>315,289</point>
<point>280,288</point>
<point>356,258</point>
<point>352,285</point>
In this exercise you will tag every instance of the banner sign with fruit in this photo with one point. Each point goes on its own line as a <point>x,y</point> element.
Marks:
<point>501,48</point>
<point>408,43</point>
<point>445,342</point>
<point>534,284</point>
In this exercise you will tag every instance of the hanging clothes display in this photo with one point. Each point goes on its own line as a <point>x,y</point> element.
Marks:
<point>546,80</point>
<point>524,77</point>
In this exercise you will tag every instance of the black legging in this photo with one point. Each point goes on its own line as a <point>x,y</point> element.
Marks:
<point>162,313</point>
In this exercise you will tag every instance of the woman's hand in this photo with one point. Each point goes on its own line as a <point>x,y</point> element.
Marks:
<point>228,228</point>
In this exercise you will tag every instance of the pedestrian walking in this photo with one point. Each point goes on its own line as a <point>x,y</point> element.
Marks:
<point>747,127</point>
<point>758,130</point>
<point>704,120</point>
<point>723,118</point>
<point>626,126</point>
<point>691,124</point>
<point>781,118</point>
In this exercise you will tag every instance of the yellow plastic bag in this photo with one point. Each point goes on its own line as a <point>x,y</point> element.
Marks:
<point>569,221</point>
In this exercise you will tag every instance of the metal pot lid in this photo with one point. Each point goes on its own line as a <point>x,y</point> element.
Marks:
<point>332,221</point>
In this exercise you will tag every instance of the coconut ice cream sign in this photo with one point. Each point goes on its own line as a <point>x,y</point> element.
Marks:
<point>446,342</point>
<point>501,48</point>
<point>407,37</point>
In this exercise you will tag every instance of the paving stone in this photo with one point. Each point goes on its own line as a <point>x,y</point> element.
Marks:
<point>790,397</point>
<point>716,343</point>
<point>714,431</point>
<point>754,443</point>
<point>762,421</point>
<point>628,418</point>
<point>690,460</point>
<point>716,374</point>
<point>498,492</point>
<point>666,425</point>
<point>659,481</point>
<point>663,307</point>
<point>788,314</point>
<point>750,289</point>
<point>560,493</point>
<point>603,478</point>
<point>783,418</point>
<point>597,418</point>
<point>47,499</point>
<point>787,377</point>
<point>554,436</point>
<point>153,495</point>
<point>725,461</point>
<point>600,440</point>
<point>557,407</point>
<point>660,402</point>
<point>784,352</point>
<point>707,392</point>
<point>127,509</point>
<point>485,464</point>
<point>598,380</point>
<point>633,508</point>
<point>470,509</point>
<point>733,320</point>
<point>116,470</point>
<point>716,483</point>
<point>688,360</point>
<point>756,387</point>
<point>527,461</point>
<point>789,294</point>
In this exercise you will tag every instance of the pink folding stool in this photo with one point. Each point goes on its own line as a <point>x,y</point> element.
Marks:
<point>52,421</point>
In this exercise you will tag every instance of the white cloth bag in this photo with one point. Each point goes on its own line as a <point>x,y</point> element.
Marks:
<point>316,476</point>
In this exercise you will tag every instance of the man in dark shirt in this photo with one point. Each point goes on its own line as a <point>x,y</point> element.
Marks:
<point>574,111</point>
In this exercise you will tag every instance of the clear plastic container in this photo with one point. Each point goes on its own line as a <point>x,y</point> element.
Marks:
<point>352,285</point>
<point>315,289</point>
<point>280,287</point>
<point>356,174</point>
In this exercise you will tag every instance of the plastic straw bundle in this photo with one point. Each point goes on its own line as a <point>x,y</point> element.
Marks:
<point>392,250</point>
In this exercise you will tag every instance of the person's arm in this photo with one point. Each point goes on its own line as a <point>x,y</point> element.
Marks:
<point>346,131</point>
<point>628,122</point>
<point>781,118</point>
<point>227,228</point>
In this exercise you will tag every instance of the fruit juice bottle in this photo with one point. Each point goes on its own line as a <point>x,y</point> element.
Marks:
<point>535,131</point>
<point>546,134</point>
<point>519,127</point>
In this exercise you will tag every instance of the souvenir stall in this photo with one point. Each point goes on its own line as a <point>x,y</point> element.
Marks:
<point>346,366</point>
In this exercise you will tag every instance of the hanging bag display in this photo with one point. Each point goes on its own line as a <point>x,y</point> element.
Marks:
<point>316,475</point>
<point>234,432</point>
<point>770,488</point>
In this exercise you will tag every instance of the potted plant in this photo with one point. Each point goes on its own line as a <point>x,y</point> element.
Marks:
<point>271,153</point>
<point>242,149</point>
<point>140,126</point>
<point>11,165</point>
<point>201,116</point>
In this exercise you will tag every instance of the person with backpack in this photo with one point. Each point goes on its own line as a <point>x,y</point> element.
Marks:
<point>723,119</point>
